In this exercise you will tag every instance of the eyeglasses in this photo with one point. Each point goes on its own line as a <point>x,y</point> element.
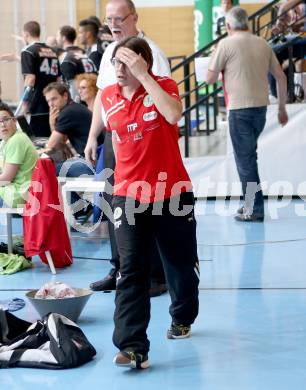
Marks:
<point>116,62</point>
<point>117,20</point>
<point>5,121</point>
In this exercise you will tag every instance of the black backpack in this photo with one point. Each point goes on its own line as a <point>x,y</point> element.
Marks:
<point>55,342</point>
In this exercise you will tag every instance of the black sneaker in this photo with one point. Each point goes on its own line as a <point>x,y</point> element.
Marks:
<point>178,331</point>
<point>131,359</point>
<point>241,210</point>
<point>106,284</point>
<point>249,218</point>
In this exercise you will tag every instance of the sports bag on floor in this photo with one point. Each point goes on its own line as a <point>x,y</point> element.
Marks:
<point>54,342</point>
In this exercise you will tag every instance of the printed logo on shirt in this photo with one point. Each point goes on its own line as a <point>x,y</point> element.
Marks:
<point>147,101</point>
<point>138,136</point>
<point>117,212</point>
<point>150,116</point>
<point>131,127</point>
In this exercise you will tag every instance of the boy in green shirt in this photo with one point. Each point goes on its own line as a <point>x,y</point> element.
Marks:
<point>17,161</point>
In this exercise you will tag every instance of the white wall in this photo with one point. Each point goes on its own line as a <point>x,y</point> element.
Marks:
<point>281,160</point>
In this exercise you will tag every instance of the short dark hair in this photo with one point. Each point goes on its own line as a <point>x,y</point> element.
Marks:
<point>91,26</point>
<point>61,88</point>
<point>5,107</point>
<point>139,46</point>
<point>33,28</point>
<point>69,33</point>
<point>96,20</point>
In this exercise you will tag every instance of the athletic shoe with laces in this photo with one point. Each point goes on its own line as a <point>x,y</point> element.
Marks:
<point>131,359</point>
<point>178,331</point>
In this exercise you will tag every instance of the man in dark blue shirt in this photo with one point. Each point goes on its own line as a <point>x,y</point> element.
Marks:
<point>68,120</point>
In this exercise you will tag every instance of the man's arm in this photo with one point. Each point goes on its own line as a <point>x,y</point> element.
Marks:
<point>281,81</point>
<point>29,80</point>
<point>9,57</point>
<point>211,76</point>
<point>56,140</point>
<point>23,106</point>
<point>215,64</point>
<point>95,130</point>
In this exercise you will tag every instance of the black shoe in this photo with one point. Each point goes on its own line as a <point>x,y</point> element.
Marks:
<point>178,331</point>
<point>249,218</point>
<point>83,215</point>
<point>106,284</point>
<point>157,289</point>
<point>131,359</point>
<point>241,210</point>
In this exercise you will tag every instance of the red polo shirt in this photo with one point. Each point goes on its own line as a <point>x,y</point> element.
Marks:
<point>149,165</point>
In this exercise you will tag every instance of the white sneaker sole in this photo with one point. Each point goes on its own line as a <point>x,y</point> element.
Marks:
<point>143,365</point>
<point>185,336</point>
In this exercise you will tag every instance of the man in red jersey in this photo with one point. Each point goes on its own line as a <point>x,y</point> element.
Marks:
<point>153,200</point>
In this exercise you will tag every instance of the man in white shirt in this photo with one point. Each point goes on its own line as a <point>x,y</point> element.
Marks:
<point>121,17</point>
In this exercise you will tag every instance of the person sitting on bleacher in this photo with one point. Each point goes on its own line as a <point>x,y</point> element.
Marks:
<point>289,31</point>
<point>69,121</point>
<point>18,159</point>
<point>291,15</point>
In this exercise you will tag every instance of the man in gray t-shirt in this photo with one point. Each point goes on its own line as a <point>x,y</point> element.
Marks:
<point>245,61</point>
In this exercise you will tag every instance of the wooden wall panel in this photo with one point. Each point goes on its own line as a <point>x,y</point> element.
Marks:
<point>85,8</point>
<point>57,15</point>
<point>170,27</point>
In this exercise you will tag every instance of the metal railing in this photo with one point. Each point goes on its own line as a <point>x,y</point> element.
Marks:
<point>200,100</point>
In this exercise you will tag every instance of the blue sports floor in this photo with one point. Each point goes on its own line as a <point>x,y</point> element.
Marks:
<point>251,330</point>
